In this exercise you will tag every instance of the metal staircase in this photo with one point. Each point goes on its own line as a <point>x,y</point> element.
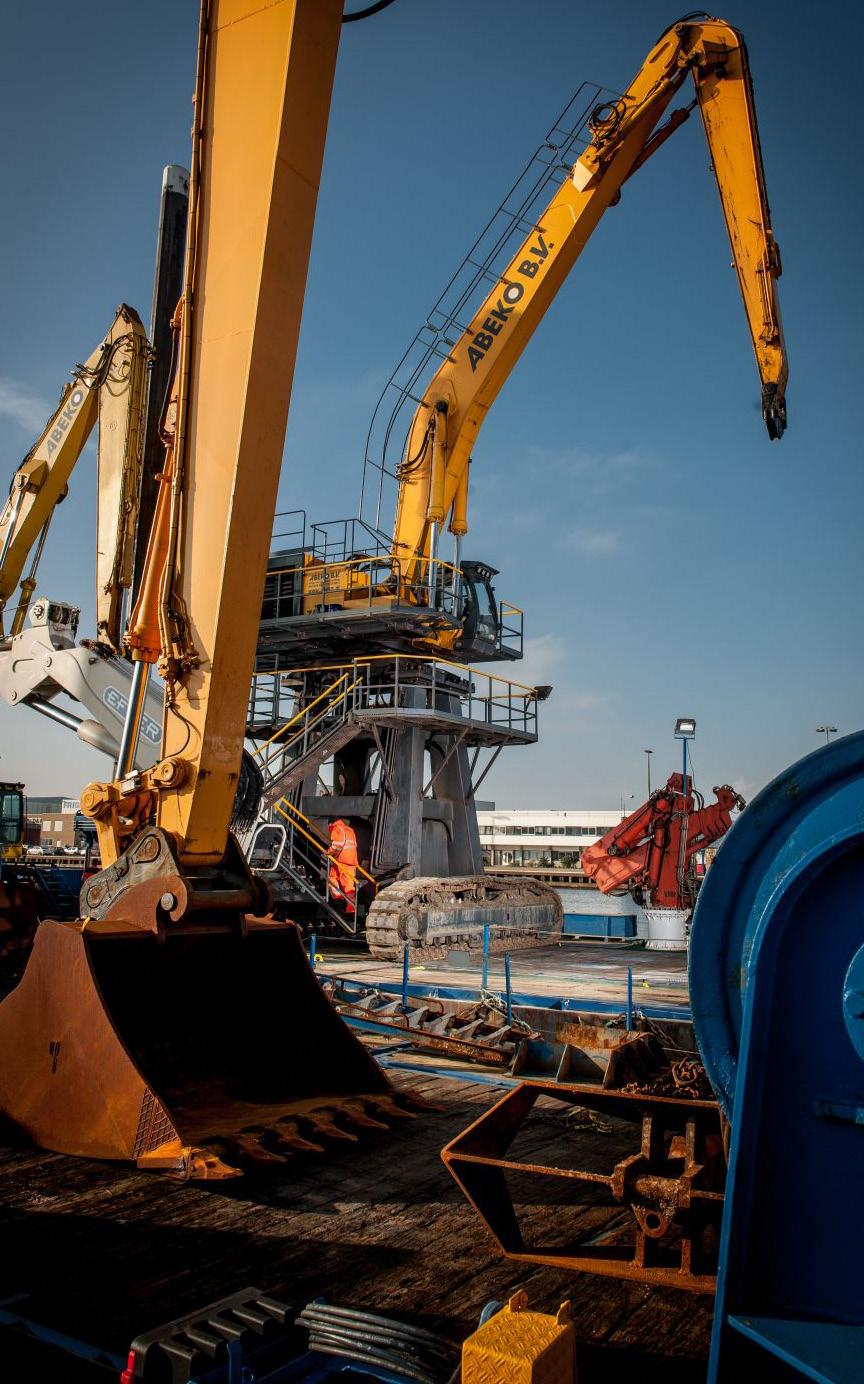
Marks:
<point>310,737</point>
<point>290,850</point>
<point>299,720</point>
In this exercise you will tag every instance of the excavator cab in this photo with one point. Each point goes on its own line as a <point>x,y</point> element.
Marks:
<point>18,917</point>
<point>11,821</point>
<point>481,635</point>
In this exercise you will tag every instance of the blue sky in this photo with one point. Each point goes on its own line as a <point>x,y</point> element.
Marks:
<point>670,559</point>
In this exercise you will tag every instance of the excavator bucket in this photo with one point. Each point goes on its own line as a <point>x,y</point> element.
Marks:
<point>202,1053</point>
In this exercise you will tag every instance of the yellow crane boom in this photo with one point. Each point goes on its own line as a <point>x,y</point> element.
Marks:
<point>166,1024</point>
<point>110,386</point>
<point>433,474</point>
<point>269,74</point>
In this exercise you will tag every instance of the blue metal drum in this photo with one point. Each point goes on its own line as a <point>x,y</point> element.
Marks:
<point>777,990</point>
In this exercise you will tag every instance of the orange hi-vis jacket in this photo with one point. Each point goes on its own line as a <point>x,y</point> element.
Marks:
<point>342,874</point>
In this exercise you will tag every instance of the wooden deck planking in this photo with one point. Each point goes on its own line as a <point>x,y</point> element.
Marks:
<point>105,1252</point>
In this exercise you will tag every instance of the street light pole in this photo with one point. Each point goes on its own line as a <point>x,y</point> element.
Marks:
<point>827,731</point>
<point>685,729</point>
<point>648,754</point>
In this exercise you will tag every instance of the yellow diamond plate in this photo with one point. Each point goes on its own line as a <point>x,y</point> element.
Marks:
<point>520,1347</point>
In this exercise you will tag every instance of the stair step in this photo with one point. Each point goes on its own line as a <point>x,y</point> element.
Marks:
<point>292,774</point>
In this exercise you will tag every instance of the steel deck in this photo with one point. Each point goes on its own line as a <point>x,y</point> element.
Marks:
<point>586,975</point>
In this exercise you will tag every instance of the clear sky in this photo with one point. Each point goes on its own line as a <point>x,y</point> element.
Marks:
<point>670,559</point>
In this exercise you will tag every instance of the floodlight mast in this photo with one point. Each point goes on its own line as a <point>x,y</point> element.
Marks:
<point>685,729</point>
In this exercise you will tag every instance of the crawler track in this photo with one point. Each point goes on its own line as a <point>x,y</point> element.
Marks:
<point>432,916</point>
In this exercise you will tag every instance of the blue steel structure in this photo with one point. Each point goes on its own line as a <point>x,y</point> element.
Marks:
<point>607,925</point>
<point>777,991</point>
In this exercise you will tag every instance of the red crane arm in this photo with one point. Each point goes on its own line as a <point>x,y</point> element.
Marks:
<point>644,851</point>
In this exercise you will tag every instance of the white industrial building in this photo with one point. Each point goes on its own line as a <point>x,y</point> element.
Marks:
<point>546,843</point>
<point>549,846</point>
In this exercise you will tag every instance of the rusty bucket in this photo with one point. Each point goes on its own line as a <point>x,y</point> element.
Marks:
<point>201,1053</point>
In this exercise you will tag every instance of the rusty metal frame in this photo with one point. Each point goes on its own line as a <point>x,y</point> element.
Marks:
<point>671,1186</point>
<point>467,1033</point>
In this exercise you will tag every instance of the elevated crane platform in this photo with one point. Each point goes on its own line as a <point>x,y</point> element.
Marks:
<point>337,591</point>
<point>405,737</point>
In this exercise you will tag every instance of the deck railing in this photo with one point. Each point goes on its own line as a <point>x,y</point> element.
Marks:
<point>297,713</point>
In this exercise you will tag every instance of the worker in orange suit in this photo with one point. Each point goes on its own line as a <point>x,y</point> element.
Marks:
<point>342,873</point>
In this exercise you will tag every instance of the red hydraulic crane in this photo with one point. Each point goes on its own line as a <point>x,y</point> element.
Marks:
<point>649,852</point>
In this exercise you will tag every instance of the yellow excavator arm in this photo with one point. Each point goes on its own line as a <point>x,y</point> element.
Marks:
<point>433,475</point>
<point>163,1026</point>
<point>111,387</point>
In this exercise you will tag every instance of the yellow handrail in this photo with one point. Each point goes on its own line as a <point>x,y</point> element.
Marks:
<point>419,658</point>
<point>322,714</point>
<point>319,846</point>
<point>388,559</point>
<point>306,709</point>
<point>381,560</point>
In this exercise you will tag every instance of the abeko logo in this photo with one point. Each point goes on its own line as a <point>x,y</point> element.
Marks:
<point>64,418</point>
<point>496,319</point>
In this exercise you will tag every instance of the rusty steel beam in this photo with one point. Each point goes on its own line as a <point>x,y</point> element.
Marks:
<point>671,1187</point>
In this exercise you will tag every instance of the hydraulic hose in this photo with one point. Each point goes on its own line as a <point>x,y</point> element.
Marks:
<point>367,12</point>
<point>363,1336</point>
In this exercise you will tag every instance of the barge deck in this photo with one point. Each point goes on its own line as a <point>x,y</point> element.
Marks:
<point>588,975</point>
<point>103,1252</point>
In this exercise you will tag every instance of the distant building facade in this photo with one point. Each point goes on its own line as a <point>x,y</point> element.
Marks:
<point>51,822</point>
<point>545,843</point>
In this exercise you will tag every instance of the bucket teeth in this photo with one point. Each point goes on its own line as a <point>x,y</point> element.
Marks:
<point>324,1122</point>
<point>205,1166</point>
<point>185,1164</point>
<point>267,1146</point>
<point>286,1135</point>
<point>360,1116</point>
<point>386,1106</point>
<point>249,1148</point>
